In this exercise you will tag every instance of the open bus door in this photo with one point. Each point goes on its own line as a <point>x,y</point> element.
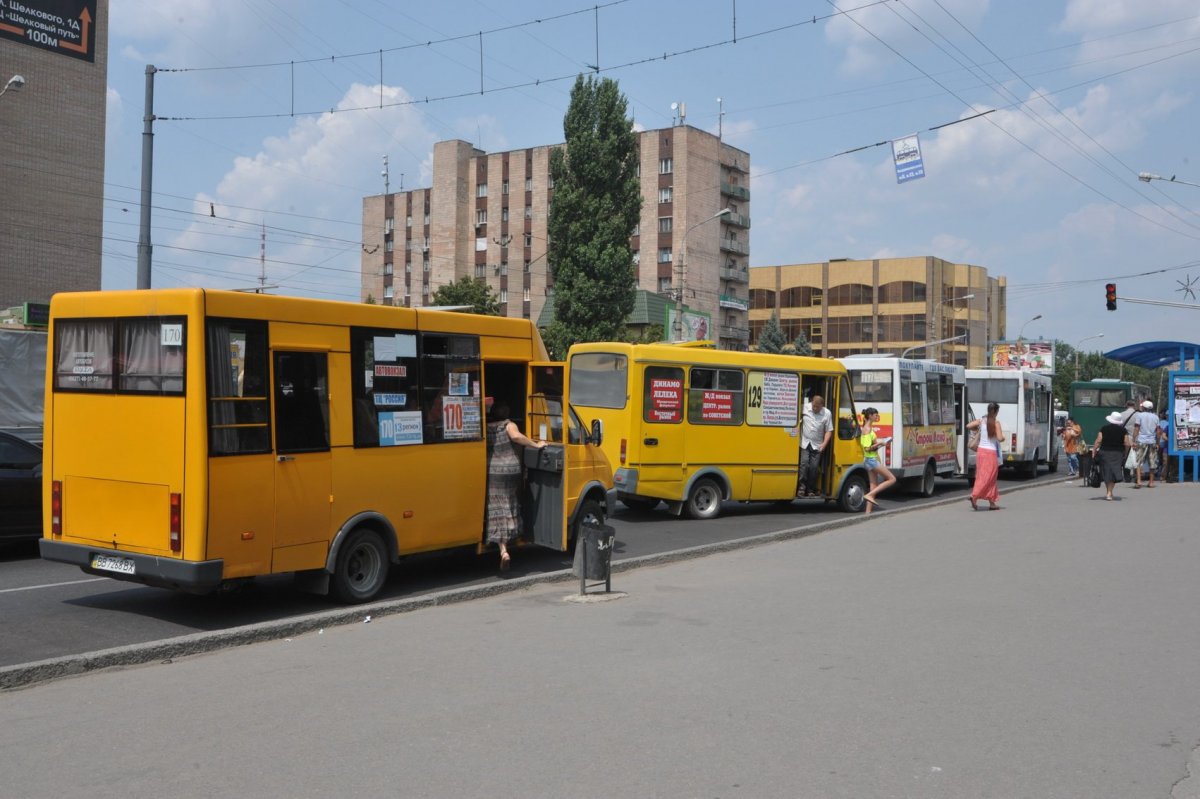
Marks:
<point>567,479</point>
<point>962,410</point>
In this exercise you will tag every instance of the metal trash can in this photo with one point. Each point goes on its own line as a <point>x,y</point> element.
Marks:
<point>593,555</point>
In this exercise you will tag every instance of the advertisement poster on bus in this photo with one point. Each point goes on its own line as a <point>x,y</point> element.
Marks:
<point>923,443</point>
<point>1035,356</point>
<point>1185,396</point>
<point>666,400</point>
<point>773,399</point>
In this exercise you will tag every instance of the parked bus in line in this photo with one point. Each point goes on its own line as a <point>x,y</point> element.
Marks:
<point>694,426</point>
<point>1092,400</point>
<point>194,438</point>
<point>920,406</point>
<point>1026,418</point>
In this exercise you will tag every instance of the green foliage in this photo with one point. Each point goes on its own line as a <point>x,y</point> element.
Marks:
<point>650,334</point>
<point>801,345</point>
<point>469,291</point>
<point>772,339</point>
<point>1093,365</point>
<point>596,203</point>
<point>370,300</point>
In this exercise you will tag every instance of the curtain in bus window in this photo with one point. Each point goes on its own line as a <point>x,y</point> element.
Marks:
<point>83,354</point>
<point>236,381</point>
<point>152,355</point>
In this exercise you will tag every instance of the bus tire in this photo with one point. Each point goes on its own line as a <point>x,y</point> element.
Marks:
<point>590,512</point>
<point>704,500</point>
<point>1052,466</point>
<point>361,568</point>
<point>1029,468</point>
<point>853,490</point>
<point>928,479</point>
<point>634,502</point>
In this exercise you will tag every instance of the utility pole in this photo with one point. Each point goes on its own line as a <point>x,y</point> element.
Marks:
<point>144,247</point>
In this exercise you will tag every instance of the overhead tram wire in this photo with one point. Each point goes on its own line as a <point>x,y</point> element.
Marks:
<point>1017,139</point>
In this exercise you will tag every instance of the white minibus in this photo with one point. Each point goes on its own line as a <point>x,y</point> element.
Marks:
<point>1025,415</point>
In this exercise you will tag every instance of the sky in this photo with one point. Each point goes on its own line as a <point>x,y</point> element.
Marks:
<point>278,114</point>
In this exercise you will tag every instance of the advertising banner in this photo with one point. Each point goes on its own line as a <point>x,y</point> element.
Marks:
<point>906,154</point>
<point>1185,414</point>
<point>1036,356</point>
<point>61,26</point>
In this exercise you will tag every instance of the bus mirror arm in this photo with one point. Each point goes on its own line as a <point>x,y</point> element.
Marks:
<point>597,435</point>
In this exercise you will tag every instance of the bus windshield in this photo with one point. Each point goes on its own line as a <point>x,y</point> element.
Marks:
<point>599,379</point>
<point>1001,390</point>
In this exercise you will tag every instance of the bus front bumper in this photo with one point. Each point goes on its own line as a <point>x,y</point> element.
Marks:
<point>194,577</point>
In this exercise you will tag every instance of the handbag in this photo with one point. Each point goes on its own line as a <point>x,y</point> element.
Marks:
<point>1093,478</point>
<point>973,440</point>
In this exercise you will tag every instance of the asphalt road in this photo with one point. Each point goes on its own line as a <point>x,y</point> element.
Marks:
<point>50,610</point>
<point>1047,650</point>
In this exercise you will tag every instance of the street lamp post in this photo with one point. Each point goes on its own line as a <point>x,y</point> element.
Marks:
<point>934,326</point>
<point>683,271</point>
<point>1146,177</point>
<point>1085,338</point>
<point>1021,331</point>
<point>16,83</point>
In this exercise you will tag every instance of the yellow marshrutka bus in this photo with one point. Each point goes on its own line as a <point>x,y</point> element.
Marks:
<point>695,426</point>
<point>194,437</point>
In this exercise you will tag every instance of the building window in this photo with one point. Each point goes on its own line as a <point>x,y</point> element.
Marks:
<point>550,182</point>
<point>481,244</point>
<point>664,166</point>
<point>481,217</point>
<point>481,190</point>
<point>504,214</point>
<point>527,266</point>
<point>503,295</point>
<point>425,244</point>
<point>504,187</point>
<point>851,294</point>
<point>529,212</point>
<point>426,219</point>
<point>525,294</point>
<point>637,257</point>
<point>387,292</point>
<point>480,270</point>
<point>528,184</point>
<point>902,291</point>
<point>528,239</point>
<point>637,230</point>
<point>388,245</point>
<point>664,255</point>
<point>389,224</point>
<point>408,221</point>
<point>503,268</point>
<point>387,269</point>
<point>664,284</point>
<point>664,194</point>
<point>664,224</point>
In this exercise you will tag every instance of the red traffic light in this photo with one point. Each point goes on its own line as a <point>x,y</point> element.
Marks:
<point>1110,296</point>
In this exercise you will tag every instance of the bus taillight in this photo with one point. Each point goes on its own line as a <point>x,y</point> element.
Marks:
<point>1013,448</point>
<point>623,450</point>
<point>56,507</point>
<point>176,543</point>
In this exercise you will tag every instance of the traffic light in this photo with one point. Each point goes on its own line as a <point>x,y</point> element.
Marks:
<point>1110,296</point>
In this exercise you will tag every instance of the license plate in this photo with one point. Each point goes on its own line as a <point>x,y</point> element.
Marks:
<point>108,564</point>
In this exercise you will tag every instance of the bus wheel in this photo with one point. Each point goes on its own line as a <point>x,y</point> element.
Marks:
<point>705,500</point>
<point>928,477</point>
<point>634,502</point>
<point>590,512</point>
<point>361,569</point>
<point>1052,466</point>
<point>1029,469</point>
<point>853,491</point>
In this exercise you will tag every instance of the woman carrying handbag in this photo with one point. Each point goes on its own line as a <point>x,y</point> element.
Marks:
<point>987,457</point>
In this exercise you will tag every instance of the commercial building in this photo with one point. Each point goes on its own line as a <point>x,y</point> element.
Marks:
<point>485,216</point>
<point>54,69</point>
<point>885,305</point>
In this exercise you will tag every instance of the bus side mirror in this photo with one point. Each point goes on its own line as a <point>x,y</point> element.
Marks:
<point>597,435</point>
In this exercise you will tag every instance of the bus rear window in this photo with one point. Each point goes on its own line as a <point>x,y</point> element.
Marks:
<point>993,390</point>
<point>871,385</point>
<point>133,356</point>
<point>598,380</point>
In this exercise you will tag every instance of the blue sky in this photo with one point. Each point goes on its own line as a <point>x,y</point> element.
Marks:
<point>1084,94</point>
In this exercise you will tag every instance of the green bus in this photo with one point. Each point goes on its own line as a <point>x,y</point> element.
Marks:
<point>1092,400</point>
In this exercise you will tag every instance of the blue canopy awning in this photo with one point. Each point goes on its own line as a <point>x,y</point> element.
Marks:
<point>1153,354</point>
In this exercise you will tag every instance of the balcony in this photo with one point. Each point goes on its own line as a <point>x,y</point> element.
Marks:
<point>735,246</point>
<point>737,220</point>
<point>735,275</point>
<point>737,192</point>
<point>736,333</point>
<point>736,303</point>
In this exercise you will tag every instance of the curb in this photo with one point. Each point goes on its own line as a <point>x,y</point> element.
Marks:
<point>24,675</point>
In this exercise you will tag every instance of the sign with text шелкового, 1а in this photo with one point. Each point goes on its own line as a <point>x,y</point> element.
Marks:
<point>906,154</point>
<point>62,26</point>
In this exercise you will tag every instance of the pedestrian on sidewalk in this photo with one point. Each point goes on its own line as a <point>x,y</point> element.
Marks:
<point>816,431</point>
<point>504,479</point>
<point>987,458</point>
<point>1164,429</point>
<point>1145,440</point>
<point>878,474</point>
<point>1071,435</point>
<point>1112,442</point>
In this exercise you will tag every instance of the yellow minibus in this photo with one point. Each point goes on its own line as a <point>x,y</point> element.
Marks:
<point>694,426</point>
<point>195,437</point>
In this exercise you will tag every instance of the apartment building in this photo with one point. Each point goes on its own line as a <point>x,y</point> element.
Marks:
<point>885,305</point>
<point>485,216</point>
<point>53,73</point>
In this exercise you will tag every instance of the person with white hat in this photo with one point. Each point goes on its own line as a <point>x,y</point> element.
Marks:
<point>1145,442</point>
<point>1112,442</point>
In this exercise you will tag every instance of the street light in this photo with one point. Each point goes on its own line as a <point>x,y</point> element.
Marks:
<point>929,344</point>
<point>1146,177</point>
<point>683,271</point>
<point>1085,338</point>
<point>16,83</point>
<point>1021,331</point>
<point>951,302</point>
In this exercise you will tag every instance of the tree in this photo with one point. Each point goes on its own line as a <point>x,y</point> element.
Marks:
<point>771,339</point>
<point>596,204</point>
<point>469,291</point>
<point>801,345</point>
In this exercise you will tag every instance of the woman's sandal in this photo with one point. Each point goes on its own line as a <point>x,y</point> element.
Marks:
<point>974,504</point>
<point>505,561</point>
<point>873,502</point>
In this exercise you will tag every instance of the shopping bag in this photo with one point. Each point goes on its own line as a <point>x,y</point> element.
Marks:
<point>973,440</point>
<point>1093,477</point>
<point>1131,459</point>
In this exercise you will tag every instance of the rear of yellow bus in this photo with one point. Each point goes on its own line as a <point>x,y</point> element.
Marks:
<point>124,454</point>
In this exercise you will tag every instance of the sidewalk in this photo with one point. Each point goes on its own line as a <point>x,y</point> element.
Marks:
<point>1046,650</point>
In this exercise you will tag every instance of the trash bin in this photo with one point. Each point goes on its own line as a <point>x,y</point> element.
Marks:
<point>1085,465</point>
<point>593,554</point>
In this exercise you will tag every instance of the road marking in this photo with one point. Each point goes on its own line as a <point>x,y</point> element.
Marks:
<point>52,585</point>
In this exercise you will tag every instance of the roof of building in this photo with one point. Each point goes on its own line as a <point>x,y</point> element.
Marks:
<point>648,309</point>
<point>1153,354</point>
